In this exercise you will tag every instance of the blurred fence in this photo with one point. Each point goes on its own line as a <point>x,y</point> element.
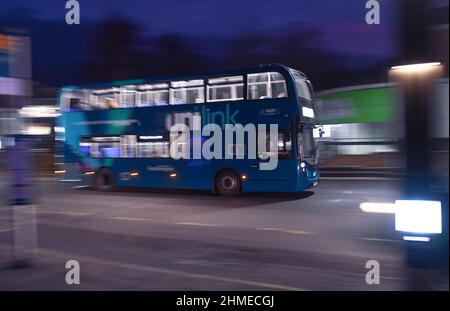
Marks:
<point>330,149</point>
<point>367,121</point>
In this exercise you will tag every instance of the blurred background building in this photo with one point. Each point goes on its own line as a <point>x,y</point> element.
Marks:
<point>15,81</point>
<point>358,115</point>
<point>357,105</point>
<point>22,112</point>
<point>361,125</point>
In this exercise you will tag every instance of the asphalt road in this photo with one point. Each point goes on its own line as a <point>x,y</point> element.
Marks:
<point>179,240</point>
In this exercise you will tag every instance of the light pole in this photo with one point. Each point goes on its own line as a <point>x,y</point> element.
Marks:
<point>419,213</point>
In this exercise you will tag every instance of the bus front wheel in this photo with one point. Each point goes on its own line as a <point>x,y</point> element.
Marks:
<point>228,183</point>
<point>104,180</point>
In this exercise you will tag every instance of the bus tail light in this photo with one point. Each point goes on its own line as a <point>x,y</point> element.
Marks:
<point>244,177</point>
<point>134,174</point>
<point>173,175</point>
<point>89,173</point>
<point>60,171</point>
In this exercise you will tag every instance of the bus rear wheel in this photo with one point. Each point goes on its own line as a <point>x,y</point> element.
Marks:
<point>228,183</point>
<point>104,180</point>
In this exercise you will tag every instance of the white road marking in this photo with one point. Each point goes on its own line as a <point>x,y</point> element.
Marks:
<point>360,178</point>
<point>380,240</point>
<point>291,231</point>
<point>131,266</point>
<point>283,230</point>
<point>371,207</point>
<point>346,273</point>
<point>197,224</point>
<point>65,213</point>
<point>80,187</point>
<point>130,218</point>
<point>392,278</point>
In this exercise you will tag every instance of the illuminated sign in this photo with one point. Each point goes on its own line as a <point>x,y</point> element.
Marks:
<point>12,86</point>
<point>9,43</point>
<point>15,56</point>
<point>4,42</point>
<point>4,46</point>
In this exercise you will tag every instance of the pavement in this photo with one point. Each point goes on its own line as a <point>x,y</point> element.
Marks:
<point>381,166</point>
<point>135,239</point>
<point>378,166</point>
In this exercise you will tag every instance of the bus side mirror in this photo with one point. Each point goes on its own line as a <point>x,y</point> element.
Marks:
<point>321,131</point>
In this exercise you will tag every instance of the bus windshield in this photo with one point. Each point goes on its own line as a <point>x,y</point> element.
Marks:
<point>303,91</point>
<point>305,139</point>
<point>306,144</point>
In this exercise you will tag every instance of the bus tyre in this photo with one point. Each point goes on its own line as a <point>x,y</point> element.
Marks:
<point>228,183</point>
<point>104,180</point>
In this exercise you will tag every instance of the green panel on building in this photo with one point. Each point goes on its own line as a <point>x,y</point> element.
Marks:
<point>357,106</point>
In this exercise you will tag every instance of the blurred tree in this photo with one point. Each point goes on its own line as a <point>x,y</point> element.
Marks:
<point>174,56</point>
<point>114,52</point>
<point>297,50</point>
<point>249,50</point>
<point>293,47</point>
<point>118,52</point>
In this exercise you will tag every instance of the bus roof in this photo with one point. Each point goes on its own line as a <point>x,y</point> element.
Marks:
<point>263,67</point>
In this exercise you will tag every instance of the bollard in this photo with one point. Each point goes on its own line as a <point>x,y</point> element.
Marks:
<point>23,211</point>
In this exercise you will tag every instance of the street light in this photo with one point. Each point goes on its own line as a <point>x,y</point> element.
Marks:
<point>416,68</point>
<point>418,217</point>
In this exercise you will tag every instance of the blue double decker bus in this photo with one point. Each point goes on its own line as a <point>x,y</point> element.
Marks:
<point>119,134</point>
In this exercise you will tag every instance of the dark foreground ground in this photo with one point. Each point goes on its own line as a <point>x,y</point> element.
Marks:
<point>150,240</point>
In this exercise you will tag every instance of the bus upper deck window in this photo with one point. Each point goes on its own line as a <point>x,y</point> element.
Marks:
<point>159,98</point>
<point>74,104</point>
<point>266,85</point>
<point>104,99</point>
<point>152,95</point>
<point>225,88</point>
<point>187,92</point>
<point>127,96</point>
<point>111,103</point>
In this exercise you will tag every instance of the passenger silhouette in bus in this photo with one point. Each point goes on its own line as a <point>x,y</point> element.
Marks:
<point>111,103</point>
<point>84,105</point>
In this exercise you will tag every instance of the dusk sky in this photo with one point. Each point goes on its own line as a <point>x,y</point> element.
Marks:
<point>338,27</point>
<point>340,22</point>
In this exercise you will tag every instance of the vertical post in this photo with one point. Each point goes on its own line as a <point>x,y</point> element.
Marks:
<point>24,237</point>
<point>416,88</point>
<point>416,76</point>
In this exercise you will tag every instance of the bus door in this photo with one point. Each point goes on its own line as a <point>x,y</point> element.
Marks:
<point>277,158</point>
